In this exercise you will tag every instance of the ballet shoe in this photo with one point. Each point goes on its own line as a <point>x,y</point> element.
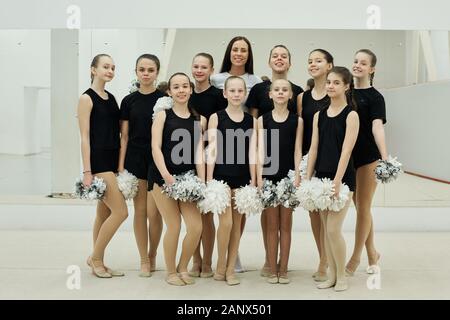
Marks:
<point>374,268</point>
<point>195,271</point>
<point>206,274</point>
<point>320,276</point>
<point>351,268</point>
<point>174,280</point>
<point>184,276</point>
<point>238,268</point>
<point>232,280</point>
<point>283,279</point>
<point>341,285</point>
<point>100,270</point>
<point>113,273</point>
<point>265,272</point>
<point>152,263</point>
<point>219,277</point>
<point>145,269</point>
<point>326,284</point>
<point>272,279</point>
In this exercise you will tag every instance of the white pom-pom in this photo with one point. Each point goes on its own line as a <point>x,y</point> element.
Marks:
<point>247,200</point>
<point>323,193</point>
<point>268,194</point>
<point>163,103</point>
<point>128,184</point>
<point>305,193</point>
<point>303,166</point>
<point>134,86</point>
<point>187,187</point>
<point>95,191</point>
<point>216,197</point>
<point>388,170</point>
<point>338,203</point>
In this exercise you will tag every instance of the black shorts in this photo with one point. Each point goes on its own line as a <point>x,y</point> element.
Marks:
<point>137,161</point>
<point>104,160</point>
<point>349,178</point>
<point>233,182</point>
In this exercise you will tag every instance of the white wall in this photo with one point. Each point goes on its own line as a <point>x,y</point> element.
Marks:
<point>389,47</point>
<point>418,129</point>
<point>24,62</point>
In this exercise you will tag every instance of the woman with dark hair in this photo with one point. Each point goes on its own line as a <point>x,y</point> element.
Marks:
<point>136,112</point>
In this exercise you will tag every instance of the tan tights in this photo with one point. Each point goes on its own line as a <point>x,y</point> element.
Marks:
<point>279,228</point>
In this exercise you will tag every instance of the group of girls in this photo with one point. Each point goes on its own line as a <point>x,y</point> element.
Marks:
<point>338,123</point>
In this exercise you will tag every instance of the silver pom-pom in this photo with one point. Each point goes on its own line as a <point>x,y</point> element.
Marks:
<point>306,193</point>
<point>388,170</point>
<point>338,203</point>
<point>95,191</point>
<point>128,184</point>
<point>163,103</point>
<point>268,194</point>
<point>187,187</point>
<point>286,192</point>
<point>247,200</point>
<point>323,194</point>
<point>134,86</point>
<point>216,197</point>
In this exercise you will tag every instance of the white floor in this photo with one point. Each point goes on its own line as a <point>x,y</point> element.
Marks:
<point>34,265</point>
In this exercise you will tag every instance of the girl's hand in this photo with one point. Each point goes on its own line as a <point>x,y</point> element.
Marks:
<point>87,178</point>
<point>169,180</point>
<point>297,181</point>
<point>337,187</point>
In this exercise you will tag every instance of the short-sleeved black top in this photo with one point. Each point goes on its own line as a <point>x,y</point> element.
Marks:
<point>208,102</point>
<point>258,98</point>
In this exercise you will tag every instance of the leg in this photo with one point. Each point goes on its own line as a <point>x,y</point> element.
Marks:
<point>154,230</point>
<point>265,270</point>
<point>319,237</point>
<point>233,246</point>
<point>285,242</point>
<point>115,202</point>
<point>238,267</point>
<point>103,213</point>
<point>207,240</point>
<point>365,189</point>
<point>140,227</point>
<point>273,229</point>
<point>170,213</point>
<point>336,242</point>
<point>329,254</point>
<point>197,260</point>
<point>223,241</point>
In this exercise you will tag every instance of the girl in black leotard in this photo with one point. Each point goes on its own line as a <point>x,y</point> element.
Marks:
<point>335,130</point>
<point>279,150</point>
<point>369,148</point>
<point>309,102</point>
<point>98,118</point>
<point>177,147</point>
<point>136,112</point>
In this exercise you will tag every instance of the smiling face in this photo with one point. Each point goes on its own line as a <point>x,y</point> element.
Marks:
<point>104,70</point>
<point>318,65</point>
<point>279,60</point>
<point>146,71</point>
<point>201,69</point>
<point>335,85</point>
<point>280,91</point>
<point>362,66</point>
<point>180,88</point>
<point>239,53</point>
<point>235,91</point>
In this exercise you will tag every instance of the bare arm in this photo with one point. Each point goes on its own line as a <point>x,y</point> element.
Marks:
<point>212,146</point>
<point>84,114</point>
<point>261,151</point>
<point>123,143</point>
<point>200,155</point>
<point>351,134</point>
<point>380,139</point>
<point>299,104</point>
<point>312,154</point>
<point>298,150</point>
<point>158,157</point>
<point>252,153</point>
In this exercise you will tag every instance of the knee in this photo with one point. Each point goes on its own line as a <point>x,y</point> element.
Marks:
<point>174,227</point>
<point>226,224</point>
<point>195,229</point>
<point>122,214</point>
<point>286,228</point>
<point>333,233</point>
